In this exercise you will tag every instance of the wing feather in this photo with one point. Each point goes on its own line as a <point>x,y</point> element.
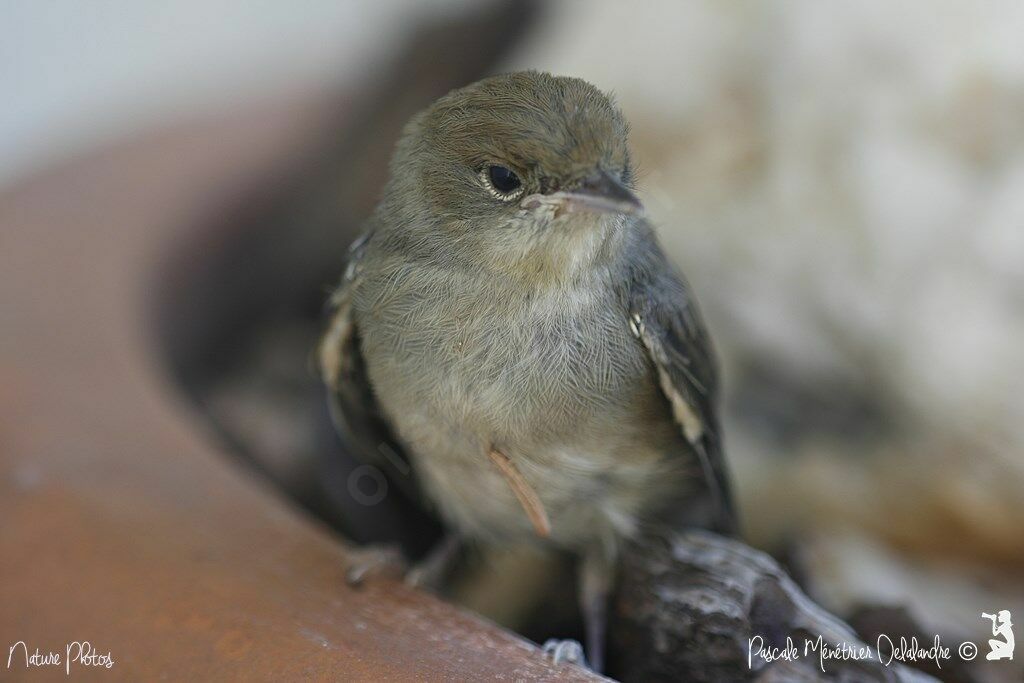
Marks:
<point>353,406</point>
<point>664,317</point>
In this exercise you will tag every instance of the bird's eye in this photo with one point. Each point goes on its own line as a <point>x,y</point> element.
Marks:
<point>502,182</point>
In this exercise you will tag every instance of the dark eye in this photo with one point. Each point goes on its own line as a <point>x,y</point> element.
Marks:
<point>503,181</point>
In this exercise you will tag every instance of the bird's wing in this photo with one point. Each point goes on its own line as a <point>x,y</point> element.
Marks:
<point>663,315</point>
<point>353,405</point>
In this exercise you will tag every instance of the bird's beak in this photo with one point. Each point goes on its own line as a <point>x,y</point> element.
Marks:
<point>602,193</point>
<point>599,193</point>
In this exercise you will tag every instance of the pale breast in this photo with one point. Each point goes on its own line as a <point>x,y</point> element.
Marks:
<point>556,381</point>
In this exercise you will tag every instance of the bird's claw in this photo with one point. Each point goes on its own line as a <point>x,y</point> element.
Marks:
<point>568,650</point>
<point>387,560</point>
<point>375,561</point>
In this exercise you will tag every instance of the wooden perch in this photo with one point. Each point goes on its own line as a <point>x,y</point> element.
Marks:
<point>524,492</point>
<point>688,605</point>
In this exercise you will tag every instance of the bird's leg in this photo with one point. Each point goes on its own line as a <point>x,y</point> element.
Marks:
<point>596,574</point>
<point>432,569</point>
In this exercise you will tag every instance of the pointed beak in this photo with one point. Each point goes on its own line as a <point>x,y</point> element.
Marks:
<point>602,193</point>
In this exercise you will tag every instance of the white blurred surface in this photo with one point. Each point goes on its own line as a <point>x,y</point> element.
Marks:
<point>842,181</point>
<point>75,73</point>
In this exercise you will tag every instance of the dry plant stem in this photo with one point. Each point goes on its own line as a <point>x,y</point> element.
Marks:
<point>524,493</point>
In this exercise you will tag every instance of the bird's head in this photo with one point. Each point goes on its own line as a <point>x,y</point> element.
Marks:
<point>525,171</point>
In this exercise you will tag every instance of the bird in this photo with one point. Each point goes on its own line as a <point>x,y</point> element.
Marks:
<point>509,324</point>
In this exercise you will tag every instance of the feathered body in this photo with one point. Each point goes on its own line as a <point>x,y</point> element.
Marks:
<point>543,322</point>
<point>463,359</point>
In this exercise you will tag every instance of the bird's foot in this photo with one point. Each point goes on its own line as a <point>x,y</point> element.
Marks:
<point>568,650</point>
<point>374,561</point>
<point>387,560</point>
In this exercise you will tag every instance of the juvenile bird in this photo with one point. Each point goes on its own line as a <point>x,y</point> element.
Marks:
<point>510,324</point>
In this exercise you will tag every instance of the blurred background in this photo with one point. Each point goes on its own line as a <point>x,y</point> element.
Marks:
<point>842,183</point>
